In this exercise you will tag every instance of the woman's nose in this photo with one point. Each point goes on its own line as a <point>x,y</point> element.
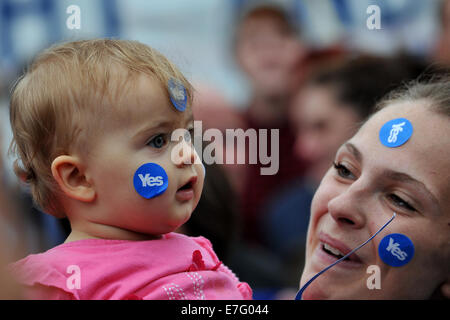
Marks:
<point>347,209</point>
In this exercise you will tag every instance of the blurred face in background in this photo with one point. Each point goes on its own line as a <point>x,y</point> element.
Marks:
<point>322,124</point>
<point>10,249</point>
<point>442,50</point>
<point>267,50</point>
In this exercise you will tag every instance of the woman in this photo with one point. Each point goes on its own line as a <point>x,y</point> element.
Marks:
<point>367,183</point>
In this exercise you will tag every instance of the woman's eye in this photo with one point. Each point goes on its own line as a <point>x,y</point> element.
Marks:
<point>399,202</point>
<point>158,141</point>
<point>343,171</point>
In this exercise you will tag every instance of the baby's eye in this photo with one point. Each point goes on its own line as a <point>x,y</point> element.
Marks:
<point>343,171</point>
<point>158,141</point>
<point>399,202</point>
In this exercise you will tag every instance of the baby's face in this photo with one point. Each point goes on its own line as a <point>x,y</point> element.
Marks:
<point>141,134</point>
<point>357,197</point>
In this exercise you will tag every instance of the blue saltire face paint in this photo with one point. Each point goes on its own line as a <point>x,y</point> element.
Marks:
<point>150,180</point>
<point>302,289</point>
<point>396,132</point>
<point>177,94</point>
<point>396,249</point>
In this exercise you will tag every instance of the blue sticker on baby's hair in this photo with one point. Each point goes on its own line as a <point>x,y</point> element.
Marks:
<point>396,249</point>
<point>177,94</point>
<point>150,180</point>
<point>396,132</point>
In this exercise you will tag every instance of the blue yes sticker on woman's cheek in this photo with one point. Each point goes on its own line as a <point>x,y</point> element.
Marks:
<point>396,249</point>
<point>396,132</point>
<point>150,180</point>
<point>177,94</point>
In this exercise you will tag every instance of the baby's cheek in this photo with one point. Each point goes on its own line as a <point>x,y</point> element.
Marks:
<point>200,181</point>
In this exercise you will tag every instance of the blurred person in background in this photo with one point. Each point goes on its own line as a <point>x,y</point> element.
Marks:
<point>39,230</point>
<point>215,112</point>
<point>267,48</point>
<point>441,53</point>
<point>326,112</point>
<point>216,216</point>
<point>10,247</point>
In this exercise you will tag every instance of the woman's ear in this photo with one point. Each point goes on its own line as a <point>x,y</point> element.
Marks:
<point>70,176</point>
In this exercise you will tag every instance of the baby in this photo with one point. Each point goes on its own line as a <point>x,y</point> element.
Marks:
<point>92,123</point>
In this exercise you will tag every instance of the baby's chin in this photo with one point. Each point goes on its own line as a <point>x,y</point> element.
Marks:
<point>178,220</point>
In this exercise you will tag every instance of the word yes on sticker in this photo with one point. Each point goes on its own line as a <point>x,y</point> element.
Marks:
<point>394,248</point>
<point>149,181</point>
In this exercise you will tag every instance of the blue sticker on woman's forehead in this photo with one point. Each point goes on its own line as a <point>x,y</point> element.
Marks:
<point>177,94</point>
<point>396,132</point>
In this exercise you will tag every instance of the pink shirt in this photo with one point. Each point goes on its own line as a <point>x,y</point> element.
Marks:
<point>175,267</point>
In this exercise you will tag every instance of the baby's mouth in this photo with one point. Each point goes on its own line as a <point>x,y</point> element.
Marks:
<point>187,186</point>
<point>186,191</point>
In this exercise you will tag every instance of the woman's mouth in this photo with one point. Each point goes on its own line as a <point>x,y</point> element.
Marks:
<point>333,251</point>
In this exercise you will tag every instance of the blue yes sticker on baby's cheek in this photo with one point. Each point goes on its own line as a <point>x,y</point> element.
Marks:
<point>396,249</point>
<point>177,94</point>
<point>396,132</point>
<point>150,180</point>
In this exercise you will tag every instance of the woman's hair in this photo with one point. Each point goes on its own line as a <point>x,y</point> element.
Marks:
<point>63,98</point>
<point>434,90</point>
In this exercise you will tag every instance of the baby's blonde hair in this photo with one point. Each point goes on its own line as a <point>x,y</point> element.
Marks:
<point>59,101</point>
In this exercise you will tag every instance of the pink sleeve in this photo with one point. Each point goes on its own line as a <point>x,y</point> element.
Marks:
<point>41,281</point>
<point>41,292</point>
<point>243,287</point>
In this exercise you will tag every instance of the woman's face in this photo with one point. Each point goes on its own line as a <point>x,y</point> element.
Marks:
<point>358,195</point>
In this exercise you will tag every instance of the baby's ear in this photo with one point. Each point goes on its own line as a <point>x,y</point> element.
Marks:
<point>69,173</point>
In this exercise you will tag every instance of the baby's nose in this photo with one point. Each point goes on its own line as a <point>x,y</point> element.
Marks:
<point>185,154</point>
